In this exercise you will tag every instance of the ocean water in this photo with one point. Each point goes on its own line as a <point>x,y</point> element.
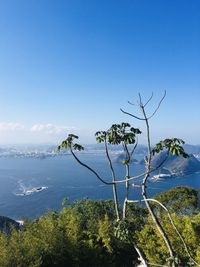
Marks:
<point>62,177</point>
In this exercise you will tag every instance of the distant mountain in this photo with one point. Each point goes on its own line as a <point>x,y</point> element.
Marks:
<point>43,151</point>
<point>175,165</point>
<point>121,157</point>
<point>192,149</point>
<point>30,151</point>
<point>140,149</point>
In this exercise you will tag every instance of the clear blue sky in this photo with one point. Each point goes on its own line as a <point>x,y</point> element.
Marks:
<point>68,66</point>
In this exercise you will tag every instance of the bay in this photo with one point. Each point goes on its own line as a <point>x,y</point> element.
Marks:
<point>64,177</point>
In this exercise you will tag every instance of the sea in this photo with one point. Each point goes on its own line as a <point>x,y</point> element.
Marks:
<point>30,187</point>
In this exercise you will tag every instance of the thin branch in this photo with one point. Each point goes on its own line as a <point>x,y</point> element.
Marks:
<point>115,195</point>
<point>136,143</point>
<point>126,151</point>
<point>109,160</point>
<point>140,98</point>
<point>127,113</point>
<point>148,167</point>
<point>160,102</point>
<point>144,173</point>
<point>177,231</point>
<point>117,181</point>
<point>141,255</point>
<point>127,161</point>
<point>90,169</point>
<point>131,103</point>
<point>148,100</point>
<point>143,106</point>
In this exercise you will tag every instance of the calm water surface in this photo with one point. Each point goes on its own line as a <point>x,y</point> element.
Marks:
<point>63,177</point>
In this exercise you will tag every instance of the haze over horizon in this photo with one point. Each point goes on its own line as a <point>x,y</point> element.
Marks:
<point>69,66</point>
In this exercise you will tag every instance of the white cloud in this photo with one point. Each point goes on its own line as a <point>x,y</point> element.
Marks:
<point>50,128</point>
<point>10,126</point>
<point>13,132</point>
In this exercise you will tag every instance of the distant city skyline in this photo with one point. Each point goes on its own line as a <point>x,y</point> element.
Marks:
<point>69,66</point>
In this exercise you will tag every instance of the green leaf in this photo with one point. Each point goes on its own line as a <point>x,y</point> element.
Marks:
<point>78,147</point>
<point>173,145</point>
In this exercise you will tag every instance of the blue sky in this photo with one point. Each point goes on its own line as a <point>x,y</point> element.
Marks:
<point>68,66</point>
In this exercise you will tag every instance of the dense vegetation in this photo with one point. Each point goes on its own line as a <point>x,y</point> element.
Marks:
<point>87,234</point>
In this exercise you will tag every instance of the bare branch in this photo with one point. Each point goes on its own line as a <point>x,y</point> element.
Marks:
<point>118,181</point>
<point>127,113</point>
<point>136,143</point>
<point>140,98</point>
<point>126,151</point>
<point>142,106</point>
<point>144,173</point>
<point>144,193</point>
<point>161,100</point>
<point>131,103</point>
<point>127,161</point>
<point>141,255</point>
<point>114,179</point>
<point>109,160</point>
<point>148,100</point>
<point>90,169</point>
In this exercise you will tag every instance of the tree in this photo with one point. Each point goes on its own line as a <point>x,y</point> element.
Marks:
<point>118,134</point>
<point>181,200</point>
<point>155,249</point>
<point>124,134</point>
<point>172,145</point>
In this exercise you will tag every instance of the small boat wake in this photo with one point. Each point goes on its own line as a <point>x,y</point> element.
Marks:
<point>27,191</point>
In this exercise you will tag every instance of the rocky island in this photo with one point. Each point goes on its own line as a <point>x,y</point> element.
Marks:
<point>173,166</point>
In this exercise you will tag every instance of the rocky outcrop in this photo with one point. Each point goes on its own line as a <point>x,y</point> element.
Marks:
<point>7,224</point>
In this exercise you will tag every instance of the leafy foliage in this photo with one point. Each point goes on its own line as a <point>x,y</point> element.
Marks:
<point>180,200</point>
<point>81,235</point>
<point>86,234</point>
<point>68,143</point>
<point>156,251</point>
<point>173,146</point>
<point>118,133</point>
